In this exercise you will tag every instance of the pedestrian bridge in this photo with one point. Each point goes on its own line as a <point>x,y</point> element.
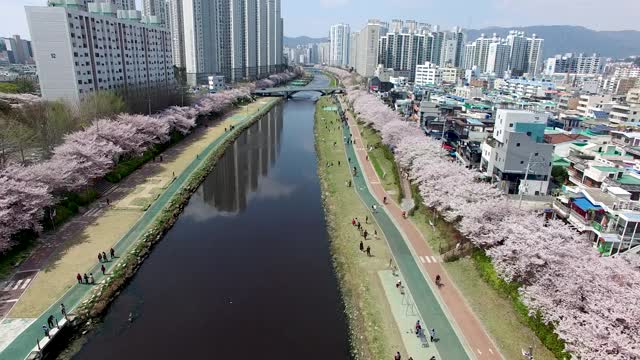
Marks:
<point>288,91</point>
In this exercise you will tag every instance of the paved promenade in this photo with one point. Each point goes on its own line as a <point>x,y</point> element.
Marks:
<point>462,335</point>
<point>74,248</point>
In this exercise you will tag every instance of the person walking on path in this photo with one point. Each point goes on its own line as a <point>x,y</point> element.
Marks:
<point>99,257</point>
<point>384,200</point>
<point>86,277</point>
<point>432,334</point>
<point>104,269</point>
<point>63,310</point>
<point>50,322</point>
<point>91,279</point>
<point>79,277</point>
<point>361,246</point>
<point>353,222</point>
<point>397,356</point>
<point>373,208</point>
<point>368,250</point>
<point>104,256</point>
<point>364,234</point>
<point>113,253</point>
<point>366,219</point>
<point>46,331</point>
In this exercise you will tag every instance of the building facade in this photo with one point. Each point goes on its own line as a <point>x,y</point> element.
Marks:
<point>238,39</point>
<point>79,52</point>
<point>176,26</point>
<point>339,36</point>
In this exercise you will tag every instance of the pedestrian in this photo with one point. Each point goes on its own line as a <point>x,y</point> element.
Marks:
<point>398,284</point>
<point>359,226</point>
<point>338,163</point>
<point>367,157</point>
<point>432,334</point>
<point>368,250</point>
<point>104,256</point>
<point>99,257</point>
<point>349,183</point>
<point>384,200</point>
<point>113,253</point>
<point>404,214</point>
<point>173,173</point>
<point>390,262</point>
<point>86,277</point>
<point>63,310</point>
<point>397,357</point>
<point>50,322</point>
<point>361,246</point>
<point>108,202</point>
<point>364,234</point>
<point>104,269</point>
<point>79,277</point>
<point>366,219</point>
<point>46,330</point>
<point>353,222</point>
<point>349,160</point>
<point>91,279</point>
<point>160,158</point>
<point>375,233</point>
<point>373,208</point>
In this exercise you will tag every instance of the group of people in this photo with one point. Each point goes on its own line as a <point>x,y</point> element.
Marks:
<point>419,331</point>
<point>102,258</point>
<point>52,321</point>
<point>364,233</point>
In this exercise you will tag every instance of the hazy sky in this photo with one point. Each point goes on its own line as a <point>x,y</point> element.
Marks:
<point>313,17</point>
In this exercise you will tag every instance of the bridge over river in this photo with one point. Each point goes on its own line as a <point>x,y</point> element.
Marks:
<point>288,91</point>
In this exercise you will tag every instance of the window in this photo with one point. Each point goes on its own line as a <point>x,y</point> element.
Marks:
<point>53,55</point>
<point>517,144</point>
<point>510,125</point>
<point>521,162</point>
<point>536,154</point>
<point>528,133</point>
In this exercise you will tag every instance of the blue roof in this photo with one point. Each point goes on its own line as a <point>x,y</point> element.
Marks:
<point>600,114</point>
<point>586,205</point>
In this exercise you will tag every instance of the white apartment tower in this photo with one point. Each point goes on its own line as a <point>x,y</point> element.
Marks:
<point>353,49</point>
<point>79,52</point>
<point>534,55</point>
<point>339,36</point>
<point>367,59</point>
<point>498,58</point>
<point>239,39</point>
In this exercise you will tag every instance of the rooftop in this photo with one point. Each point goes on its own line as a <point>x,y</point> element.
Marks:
<point>629,180</point>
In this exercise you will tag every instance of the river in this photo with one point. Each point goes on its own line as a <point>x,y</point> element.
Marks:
<point>246,272</point>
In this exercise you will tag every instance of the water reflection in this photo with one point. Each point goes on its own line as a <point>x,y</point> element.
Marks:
<point>245,166</point>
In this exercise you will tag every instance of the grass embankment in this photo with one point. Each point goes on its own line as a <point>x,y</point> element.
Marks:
<point>495,309</point>
<point>374,334</point>
<point>382,160</point>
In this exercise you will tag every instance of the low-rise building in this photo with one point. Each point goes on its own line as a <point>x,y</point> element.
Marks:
<point>428,74</point>
<point>587,104</point>
<point>516,156</point>
<point>468,92</point>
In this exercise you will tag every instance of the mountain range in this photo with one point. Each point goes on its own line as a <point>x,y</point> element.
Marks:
<point>558,39</point>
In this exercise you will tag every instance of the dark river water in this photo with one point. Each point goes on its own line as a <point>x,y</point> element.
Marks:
<point>246,272</point>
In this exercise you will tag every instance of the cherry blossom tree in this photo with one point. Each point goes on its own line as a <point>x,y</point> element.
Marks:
<point>591,300</point>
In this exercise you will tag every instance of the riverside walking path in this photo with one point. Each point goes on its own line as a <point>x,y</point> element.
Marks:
<point>133,207</point>
<point>417,261</point>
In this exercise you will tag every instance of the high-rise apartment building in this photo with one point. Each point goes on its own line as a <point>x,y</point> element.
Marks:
<point>517,42</point>
<point>524,53</point>
<point>353,49</point>
<point>571,64</point>
<point>401,51</point>
<point>17,51</point>
<point>367,57</point>
<point>101,47</point>
<point>534,55</point>
<point>323,52</point>
<point>176,26</point>
<point>339,36</point>
<point>239,39</point>
<point>498,58</point>
<point>157,8</point>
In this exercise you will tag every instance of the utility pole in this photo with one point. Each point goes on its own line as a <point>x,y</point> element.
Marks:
<point>523,185</point>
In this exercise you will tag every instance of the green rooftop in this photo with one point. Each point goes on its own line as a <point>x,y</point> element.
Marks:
<point>629,180</point>
<point>560,161</point>
<point>581,144</point>
<point>612,169</point>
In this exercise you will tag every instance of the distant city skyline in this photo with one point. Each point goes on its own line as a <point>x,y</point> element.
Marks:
<point>307,19</point>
